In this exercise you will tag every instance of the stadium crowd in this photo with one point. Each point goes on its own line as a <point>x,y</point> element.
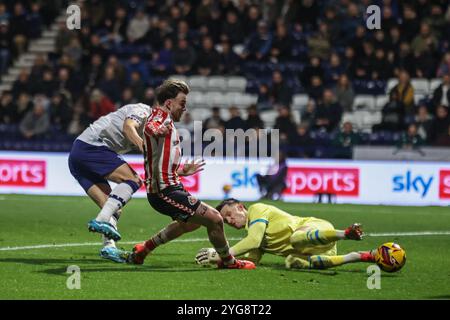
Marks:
<point>125,48</point>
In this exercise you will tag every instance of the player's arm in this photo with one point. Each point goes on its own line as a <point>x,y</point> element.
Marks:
<point>252,240</point>
<point>130,130</point>
<point>157,128</point>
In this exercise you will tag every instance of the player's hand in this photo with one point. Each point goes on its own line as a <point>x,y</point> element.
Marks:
<point>190,168</point>
<point>163,129</point>
<point>206,256</point>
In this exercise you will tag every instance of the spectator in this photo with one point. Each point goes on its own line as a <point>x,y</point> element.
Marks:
<point>344,142</point>
<point>110,85</point>
<point>23,106</point>
<point>309,114</point>
<point>436,20</point>
<point>19,29</point>
<point>315,89</point>
<point>279,92</point>
<point>119,69</point>
<point>47,85</point>
<point>405,93</point>
<point>344,93</point>
<point>410,24</point>
<point>135,64</point>
<point>443,140</point>
<point>137,86</point>
<point>251,21</point>
<point>100,105</point>
<point>117,26</point>
<point>335,69</point>
<point>382,69</point>
<point>392,114</point>
<point>228,63</point>
<point>441,95</point>
<point>36,122</point>
<point>34,21</point>
<point>126,98</point>
<point>440,123</point>
<point>78,122</point>
<point>22,84</point>
<point>60,112</point>
<point>304,145</point>
<point>5,46</point>
<point>425,41</point>
<point>93,71</point>
<point>444,66</point>
<point>328,112</point>
<point>74,50</point>
<point>264,102</point>
<point>319,43</point>
<point>183,57</point>
<point>314,68</point>
<point>214,121</point>
<point>163,60</point>
<point>259,44</point>
<point>149,97</point>
<point>232,28</point>
<point>7,108</point>
<point>186,123</point>
<point>424,122</point>
<point>281,45</point>
<point>410,139</point>
<point>253,119</point>
<point>285,123</point>
<point>208,58</point>
<point>235,122</point>
<point>138,26</point>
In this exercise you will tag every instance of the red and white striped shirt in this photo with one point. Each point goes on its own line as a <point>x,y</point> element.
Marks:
<point>162,154</point>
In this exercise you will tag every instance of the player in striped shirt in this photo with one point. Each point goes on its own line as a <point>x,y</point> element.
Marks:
<point>165,191</point>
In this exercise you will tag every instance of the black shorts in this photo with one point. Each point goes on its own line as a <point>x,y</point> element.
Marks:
<point>175,202</point>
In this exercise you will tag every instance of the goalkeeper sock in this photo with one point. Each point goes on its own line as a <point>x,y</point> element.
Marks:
<point>117,199</point>
<point>225,256</point>
<point>114,219</point>
<point>156,240</point>
<point>316,237</point>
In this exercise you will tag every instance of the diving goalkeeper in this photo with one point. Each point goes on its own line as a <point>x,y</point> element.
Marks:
<point>306,242</point>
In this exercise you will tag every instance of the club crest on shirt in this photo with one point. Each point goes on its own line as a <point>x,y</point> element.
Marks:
<point>192,200</point>
<point>157,118</point>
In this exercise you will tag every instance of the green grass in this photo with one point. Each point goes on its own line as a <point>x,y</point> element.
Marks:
<point>170,273</point>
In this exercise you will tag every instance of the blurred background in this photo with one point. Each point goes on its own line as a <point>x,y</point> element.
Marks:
<point>312,69</point>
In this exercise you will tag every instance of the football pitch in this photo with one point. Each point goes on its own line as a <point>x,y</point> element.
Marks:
<point>41,236</point>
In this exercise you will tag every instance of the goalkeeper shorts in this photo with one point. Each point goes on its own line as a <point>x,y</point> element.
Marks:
<point>175,202</point>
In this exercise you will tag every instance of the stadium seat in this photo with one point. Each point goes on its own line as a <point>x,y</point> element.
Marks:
<point>299,101</point>
<point>434,83</point>
<point>200,114</point>
<point>348,117</point>
<point>217,83</point>
<point>269,117</point>
<point>418,97</point>
<point>364,102</point>
<point>236,84</point>
<point>391,84</point>
<point>421,86</point>
<point>198,83</point>
<point>196,99</point>
<point>214,99</point>
<point>380,102</point>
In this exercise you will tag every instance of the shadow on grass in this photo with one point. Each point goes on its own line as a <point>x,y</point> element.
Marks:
<point>439,297</point>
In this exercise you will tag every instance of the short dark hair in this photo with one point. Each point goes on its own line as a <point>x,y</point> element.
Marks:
<point>227,202</point>
<point>169,89</point>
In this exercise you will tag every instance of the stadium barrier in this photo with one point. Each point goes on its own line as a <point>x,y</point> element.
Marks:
<point>362,182</point>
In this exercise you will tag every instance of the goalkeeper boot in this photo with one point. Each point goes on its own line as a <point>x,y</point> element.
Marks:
<point>238,264</point>
<point>354,232</point>
<point>104,228</point>
<point>139,254</point>
<point>114,254</point>
<point>293,262</point>
<point>368,256</point>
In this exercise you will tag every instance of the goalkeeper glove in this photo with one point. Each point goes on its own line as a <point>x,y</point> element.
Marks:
<point>207,256</point>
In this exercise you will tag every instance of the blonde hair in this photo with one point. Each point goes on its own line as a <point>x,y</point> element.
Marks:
<point>169,89</point>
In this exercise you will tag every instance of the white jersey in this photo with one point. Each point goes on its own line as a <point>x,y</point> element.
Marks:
<point>108,130</point>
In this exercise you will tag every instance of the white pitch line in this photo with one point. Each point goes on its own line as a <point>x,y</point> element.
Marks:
<point>84,244</point>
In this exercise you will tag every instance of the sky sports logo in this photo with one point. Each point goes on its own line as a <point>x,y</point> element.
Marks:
<point>23,173</point>
<point>313,180</point>
<point>420,184</point>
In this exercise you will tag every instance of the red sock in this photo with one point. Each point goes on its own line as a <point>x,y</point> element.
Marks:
<point>367,257</point>
<point>149,245</point>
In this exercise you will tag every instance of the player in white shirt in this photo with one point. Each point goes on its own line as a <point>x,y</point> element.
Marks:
<point>96,158</point>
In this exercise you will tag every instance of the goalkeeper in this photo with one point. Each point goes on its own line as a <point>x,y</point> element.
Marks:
<point>307,243</point>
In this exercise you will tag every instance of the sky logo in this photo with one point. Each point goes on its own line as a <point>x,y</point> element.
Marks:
<point>410,183</point>
<point>244,178</point>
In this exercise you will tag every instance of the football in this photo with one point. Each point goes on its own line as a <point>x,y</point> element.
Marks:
<point>390,257</point>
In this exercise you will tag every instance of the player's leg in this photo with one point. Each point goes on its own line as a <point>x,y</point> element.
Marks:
<point>128,182</point>
<point>319,232</point>
<point>99,193</point>
<point>209,217</point>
